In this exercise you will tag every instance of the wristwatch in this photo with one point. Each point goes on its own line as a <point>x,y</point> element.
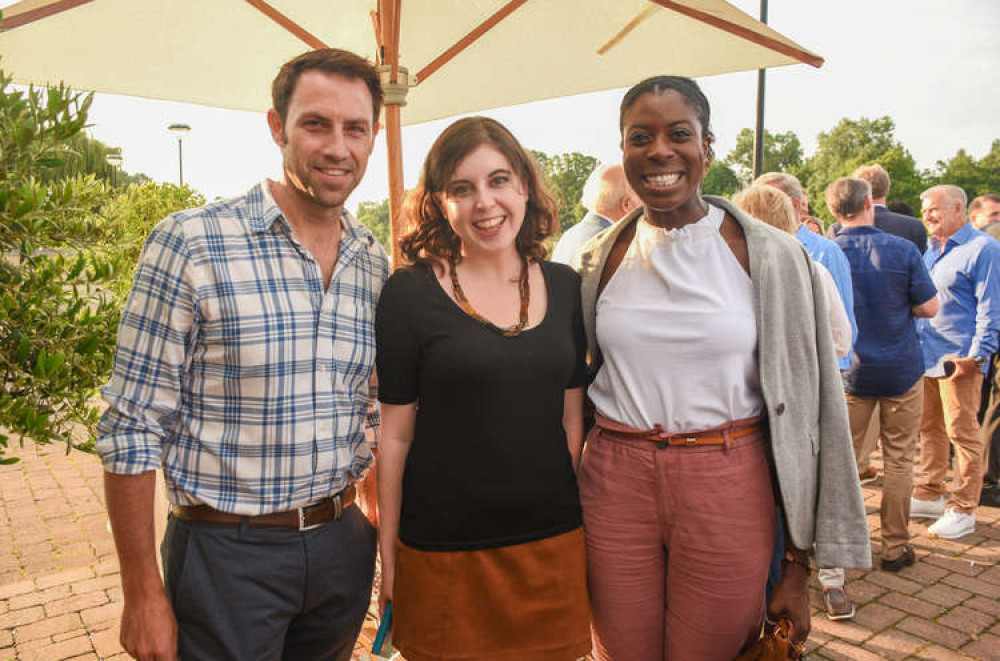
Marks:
<point>979,360</point>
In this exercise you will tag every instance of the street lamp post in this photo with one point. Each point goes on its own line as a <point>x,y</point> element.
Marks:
<point>180,130</point>
<point>115,161</point>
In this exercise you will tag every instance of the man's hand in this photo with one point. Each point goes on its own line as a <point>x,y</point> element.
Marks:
<point>964,367</point>
<point>149,628</point>
<point>791,599</point>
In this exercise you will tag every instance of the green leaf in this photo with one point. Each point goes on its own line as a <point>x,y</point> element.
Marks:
<point>77,267</point>
<point>27,204</point>
<point>54,361</point>
<point>88,344</point>
<point>23,348</point>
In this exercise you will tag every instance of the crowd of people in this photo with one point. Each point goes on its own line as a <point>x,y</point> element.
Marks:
<point>642,455</point>
<point>918,357</point>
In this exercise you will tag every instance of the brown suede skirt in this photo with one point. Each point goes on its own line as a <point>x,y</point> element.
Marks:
<point>526,602</point>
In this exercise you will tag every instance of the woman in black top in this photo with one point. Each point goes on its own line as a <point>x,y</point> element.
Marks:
<point>481,368</point>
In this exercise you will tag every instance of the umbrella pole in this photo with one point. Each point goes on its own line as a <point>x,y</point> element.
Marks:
<point>759,135</point>
<point>394,149</point>
<point>395,83</point>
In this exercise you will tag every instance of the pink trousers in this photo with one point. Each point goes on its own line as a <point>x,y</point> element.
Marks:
<point>679,541</point>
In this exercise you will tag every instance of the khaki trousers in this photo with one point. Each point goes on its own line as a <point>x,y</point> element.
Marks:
<point>863,455</point>
<point>899,424</point>
<point>950,408</point>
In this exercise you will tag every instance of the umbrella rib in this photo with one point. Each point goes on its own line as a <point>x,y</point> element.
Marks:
<point>287,23</point>
<point>30,16</point>
<point>378,35</point>
<point>746,33</point>
<point>631,25</point>
<point>468,39</point>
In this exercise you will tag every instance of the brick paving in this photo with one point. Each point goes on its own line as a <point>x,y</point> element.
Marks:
<point>60,596</point>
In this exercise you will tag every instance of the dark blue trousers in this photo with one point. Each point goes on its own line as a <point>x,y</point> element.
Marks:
<point>269,593</point>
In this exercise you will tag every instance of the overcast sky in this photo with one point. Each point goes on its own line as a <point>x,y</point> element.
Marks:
<point>929,64</point>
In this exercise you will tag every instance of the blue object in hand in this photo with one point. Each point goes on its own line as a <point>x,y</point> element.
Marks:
<point>384,627</point>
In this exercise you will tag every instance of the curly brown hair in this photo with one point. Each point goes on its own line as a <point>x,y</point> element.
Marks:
<point>430,237</point>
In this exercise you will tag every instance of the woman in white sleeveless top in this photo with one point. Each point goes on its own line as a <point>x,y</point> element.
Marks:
<point>698,407</point>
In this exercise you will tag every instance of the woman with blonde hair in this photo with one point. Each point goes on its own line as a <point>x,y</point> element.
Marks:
<point>772,206</point>
<point>481,372</point>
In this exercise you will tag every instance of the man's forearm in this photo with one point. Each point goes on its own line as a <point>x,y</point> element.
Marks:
<point>130,508</point>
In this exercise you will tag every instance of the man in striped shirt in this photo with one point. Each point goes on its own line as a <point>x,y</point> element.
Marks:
<point>242,370</point>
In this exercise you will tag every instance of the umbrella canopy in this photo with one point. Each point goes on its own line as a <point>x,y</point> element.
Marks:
<point>461,55</point>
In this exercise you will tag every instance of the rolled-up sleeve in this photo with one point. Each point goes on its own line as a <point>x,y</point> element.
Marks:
<point>157,324</point>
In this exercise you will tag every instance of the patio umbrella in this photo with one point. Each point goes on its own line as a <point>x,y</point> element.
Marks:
<point>438,57</point>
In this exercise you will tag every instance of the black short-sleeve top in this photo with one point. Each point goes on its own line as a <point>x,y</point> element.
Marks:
<point>488,465</point>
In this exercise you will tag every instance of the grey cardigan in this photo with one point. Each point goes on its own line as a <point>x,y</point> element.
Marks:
<point>803,393</point>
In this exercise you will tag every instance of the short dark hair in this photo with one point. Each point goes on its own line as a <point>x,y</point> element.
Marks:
<point>328,60</point>
<point>683,86</point>
<point>846,197</point>
<point>431,236</point>
<point>902,207</point>
<point>981,200</point>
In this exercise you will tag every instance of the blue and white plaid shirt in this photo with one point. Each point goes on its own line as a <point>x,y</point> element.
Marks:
<point>235,372</point>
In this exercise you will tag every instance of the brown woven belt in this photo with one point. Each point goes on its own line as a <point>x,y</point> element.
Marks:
<point>663,439</point>
<point>303,518</point>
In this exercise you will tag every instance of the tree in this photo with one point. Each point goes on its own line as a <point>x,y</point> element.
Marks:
<point>565,175</point>
<point>68,247</point>
<point>975,177</point>
<point>851,144</point>
<point>721,180</point>
<point>782,153</point>
<point>375,216</point>
<point>83,154</point>
<point>131,213</point>
<point>57,323</point>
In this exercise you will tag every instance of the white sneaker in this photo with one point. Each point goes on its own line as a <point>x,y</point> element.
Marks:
<point>953,525</point>
<point>926,509</point>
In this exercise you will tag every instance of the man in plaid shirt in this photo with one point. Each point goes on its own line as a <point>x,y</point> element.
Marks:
<point>242,370</point>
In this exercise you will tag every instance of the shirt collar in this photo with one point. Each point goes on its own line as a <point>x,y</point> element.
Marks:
<point>859,229</point>
<point>605,221</point>
<point>963,235</point>
<point>264,211</point>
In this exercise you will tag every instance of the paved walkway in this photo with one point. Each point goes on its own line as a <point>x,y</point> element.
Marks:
<point>60,596</point>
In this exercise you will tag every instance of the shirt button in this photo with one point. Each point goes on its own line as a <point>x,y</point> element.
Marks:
<point>780,410</point>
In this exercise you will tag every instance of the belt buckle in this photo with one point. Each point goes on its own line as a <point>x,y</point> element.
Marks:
<point>302,521</point>
<point>338,509</point>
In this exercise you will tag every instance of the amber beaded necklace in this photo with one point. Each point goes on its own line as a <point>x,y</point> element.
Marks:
<point>523,289</point>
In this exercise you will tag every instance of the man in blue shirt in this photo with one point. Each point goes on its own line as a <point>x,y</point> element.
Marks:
<point>821,249</point>
<point>885,219</point>
<point>891,287</point>
<point>958,341</point>
<point>608,198</point>
<point>984,214</point>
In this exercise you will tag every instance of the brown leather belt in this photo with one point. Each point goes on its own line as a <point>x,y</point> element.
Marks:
<point>303,518</point>
<point>696,438</point>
